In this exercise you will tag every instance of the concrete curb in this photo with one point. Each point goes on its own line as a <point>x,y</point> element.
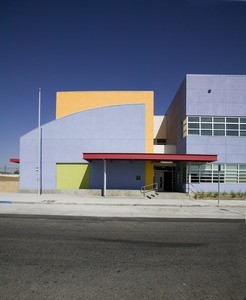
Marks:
<point>54,202</point>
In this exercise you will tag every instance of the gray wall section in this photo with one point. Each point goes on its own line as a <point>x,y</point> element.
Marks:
<point>175,114</point>
<point>109,129</point>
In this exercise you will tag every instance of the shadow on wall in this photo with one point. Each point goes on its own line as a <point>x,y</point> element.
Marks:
<point>85,180</point>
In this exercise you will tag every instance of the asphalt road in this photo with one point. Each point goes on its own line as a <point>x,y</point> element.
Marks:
<point>52,258</point>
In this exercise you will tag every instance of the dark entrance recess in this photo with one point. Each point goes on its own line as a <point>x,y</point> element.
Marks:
<point>165,178</point>
<point>168,183</point>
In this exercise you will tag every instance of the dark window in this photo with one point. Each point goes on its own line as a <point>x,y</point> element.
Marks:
<point>159,141</point>
<point>193,125</point>
<point>232,120</point>
<point>193,131</point>
<point>219,126</point>
<point>219,120</point>
<point>219,132</point>
<point>206,132</point>
<point>206,126</point>
<point>231,126</point>
<point>193,119</point>
<point>231,133</point>
<point>206,119</point>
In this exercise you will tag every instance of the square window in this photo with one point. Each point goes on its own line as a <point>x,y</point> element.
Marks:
<point>231,133</point>
<point>160,141</point>
<point>219,120</point>
<point>219,132</point>
<point>206,132</point>
<point>219,126</point>
<point>193,132</point>
<point>193,119</point>
<point>232,120</point>
<point>231,126</point>
<point>206,126</point>
<point>206,119</point>
<point>193,125</point>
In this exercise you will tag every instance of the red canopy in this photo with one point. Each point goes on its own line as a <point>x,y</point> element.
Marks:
<point>151,157</point>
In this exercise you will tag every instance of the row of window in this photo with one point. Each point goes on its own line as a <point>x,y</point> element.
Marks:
<point>229,173</point>
<point>215,126</point>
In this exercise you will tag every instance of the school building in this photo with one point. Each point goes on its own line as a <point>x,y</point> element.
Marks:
<point>111,140</point>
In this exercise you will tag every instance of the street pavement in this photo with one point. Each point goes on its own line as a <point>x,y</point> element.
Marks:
<point>114,259</point>
<point>121,207</point>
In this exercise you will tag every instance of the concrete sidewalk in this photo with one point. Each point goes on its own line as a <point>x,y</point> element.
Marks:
<point>67,205</point>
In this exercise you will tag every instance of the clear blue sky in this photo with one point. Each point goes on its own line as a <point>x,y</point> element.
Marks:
<point>108,45</point>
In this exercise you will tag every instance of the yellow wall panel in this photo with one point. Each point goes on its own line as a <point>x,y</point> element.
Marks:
<point>72,176</point>
<point>149,172</point>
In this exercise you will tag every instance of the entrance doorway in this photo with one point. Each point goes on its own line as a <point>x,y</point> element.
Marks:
<point>165,178</point>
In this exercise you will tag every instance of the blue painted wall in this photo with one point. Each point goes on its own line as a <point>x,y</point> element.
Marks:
<point>229,149</point>
<point>109,129</point>
<point>224,187</point>
<point>227,98</point>
<point>120,174</point>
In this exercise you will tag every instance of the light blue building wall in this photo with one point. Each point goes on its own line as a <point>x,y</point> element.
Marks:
<point>217,96</point>
<point>115,129</point>
<point>209,96</point>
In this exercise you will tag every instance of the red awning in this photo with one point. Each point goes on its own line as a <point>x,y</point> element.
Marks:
<point>15,160</point>
<point>151,157</point>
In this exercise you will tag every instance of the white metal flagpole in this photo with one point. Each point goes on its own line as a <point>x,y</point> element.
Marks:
<point>39,142</point>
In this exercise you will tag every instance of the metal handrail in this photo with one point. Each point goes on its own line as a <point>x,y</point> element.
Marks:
<point>192,189</point>
<point>149,188</point>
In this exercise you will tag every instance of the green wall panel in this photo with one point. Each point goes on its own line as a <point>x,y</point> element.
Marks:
<point>72,176</point>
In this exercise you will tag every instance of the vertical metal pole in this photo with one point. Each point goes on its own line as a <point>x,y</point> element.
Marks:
<point>219,168</point>
<point>189,176</point>
<point>104,178</point>
<point>39,142</point>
